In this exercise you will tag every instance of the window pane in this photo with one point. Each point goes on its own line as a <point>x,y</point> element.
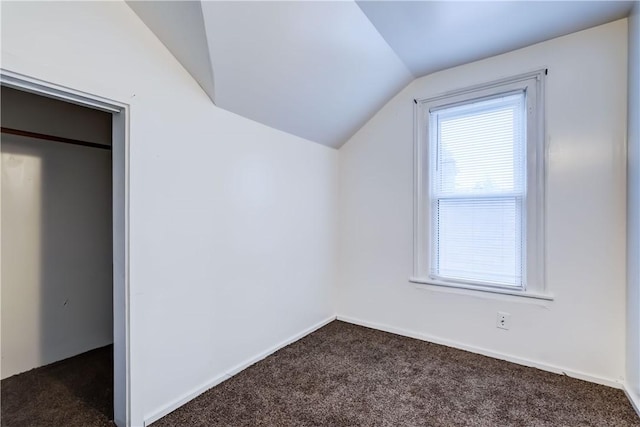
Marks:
<point>478,190</point>
<point>479,240</point>
<point>480,147</point>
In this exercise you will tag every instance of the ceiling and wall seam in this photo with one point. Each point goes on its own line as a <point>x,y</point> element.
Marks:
<point>322,70</point>
<point>180,27</point>
<point>212,95</point>
<point>406,66</point>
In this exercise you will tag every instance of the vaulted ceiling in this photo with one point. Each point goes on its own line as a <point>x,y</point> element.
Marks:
<point>321,69</point>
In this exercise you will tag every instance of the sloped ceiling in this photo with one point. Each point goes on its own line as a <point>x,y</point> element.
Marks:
<point>318,70</point>
<point>180,26</point>
<point>321,69</point>
<point>434,35</point>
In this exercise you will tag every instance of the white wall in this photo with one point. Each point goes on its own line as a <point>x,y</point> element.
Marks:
<point>231,223</point>
<point>633,208</point>
<point>56,250</point>
<point>583,329</point>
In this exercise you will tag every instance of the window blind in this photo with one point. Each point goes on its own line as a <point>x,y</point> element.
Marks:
<point>478,191</point>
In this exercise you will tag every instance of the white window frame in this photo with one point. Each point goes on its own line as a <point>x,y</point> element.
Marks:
<point>534,283</point>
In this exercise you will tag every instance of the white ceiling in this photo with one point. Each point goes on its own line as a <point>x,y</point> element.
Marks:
<point>318,70</point>
<point>434,35</point>
<point>321,69</point>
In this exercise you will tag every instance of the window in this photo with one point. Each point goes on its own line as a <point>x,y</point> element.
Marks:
<point>479,188</point>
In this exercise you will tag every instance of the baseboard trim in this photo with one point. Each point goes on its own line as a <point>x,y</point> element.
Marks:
<point>485,352</point>
<point>244,365</point>
<point>633,398</point>
<point>175,404</point>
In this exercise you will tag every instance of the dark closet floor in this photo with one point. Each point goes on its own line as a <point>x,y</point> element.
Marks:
<point>75,392</point>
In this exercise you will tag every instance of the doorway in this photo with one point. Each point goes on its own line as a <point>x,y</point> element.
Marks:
<point>64,249</point>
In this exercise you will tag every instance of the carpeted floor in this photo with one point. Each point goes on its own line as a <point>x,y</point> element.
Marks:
<point>75,392</point>
<point>346,375</point>
<point>341,375</point>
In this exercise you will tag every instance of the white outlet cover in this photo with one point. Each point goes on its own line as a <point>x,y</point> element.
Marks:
<point>503,321</point>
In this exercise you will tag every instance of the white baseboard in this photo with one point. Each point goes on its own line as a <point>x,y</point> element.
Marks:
<point>244,365</point>
<point>633,398</point>
<point>485,352</point>
<point>175,404</point>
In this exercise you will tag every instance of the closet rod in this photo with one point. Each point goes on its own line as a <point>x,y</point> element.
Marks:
<point>18,132</point>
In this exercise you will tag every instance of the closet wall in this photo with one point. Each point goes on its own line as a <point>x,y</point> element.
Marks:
<point>56,296</point>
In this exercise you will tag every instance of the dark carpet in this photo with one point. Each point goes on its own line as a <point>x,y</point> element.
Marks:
<point>346,375</point>
<point>341,375</point>
<point>75,392</point>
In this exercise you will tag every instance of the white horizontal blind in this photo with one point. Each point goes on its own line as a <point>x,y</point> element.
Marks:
<point>478,191</point>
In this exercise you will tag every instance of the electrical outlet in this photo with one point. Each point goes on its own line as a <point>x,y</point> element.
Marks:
<point>504,320</point>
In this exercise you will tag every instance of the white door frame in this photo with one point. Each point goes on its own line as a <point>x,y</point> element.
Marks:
<point>120,206</point>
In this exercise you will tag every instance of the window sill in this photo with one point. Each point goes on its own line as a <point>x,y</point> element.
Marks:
<point>428,283</point>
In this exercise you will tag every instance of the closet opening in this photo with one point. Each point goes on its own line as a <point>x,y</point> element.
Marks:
<point>63,258</point>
